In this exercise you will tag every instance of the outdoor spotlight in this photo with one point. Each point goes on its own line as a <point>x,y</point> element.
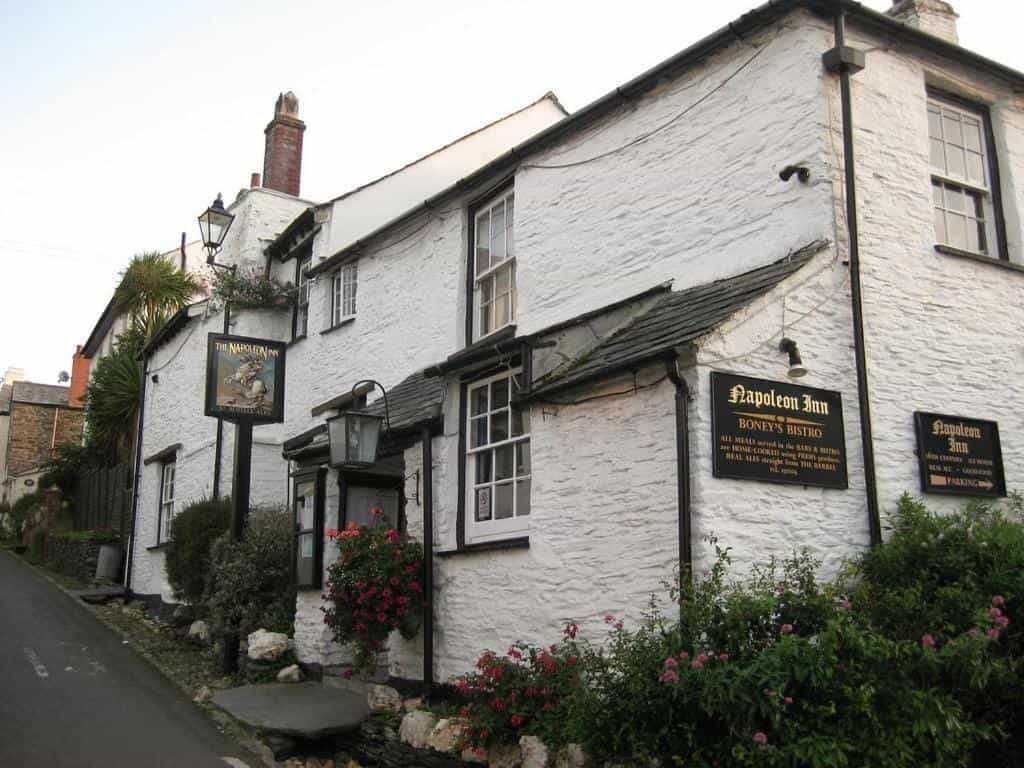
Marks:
<point>796,365</point>
<point>801,171</point>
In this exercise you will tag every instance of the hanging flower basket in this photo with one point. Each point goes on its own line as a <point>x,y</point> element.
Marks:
<point>252,289</point>
<point>373,588</point>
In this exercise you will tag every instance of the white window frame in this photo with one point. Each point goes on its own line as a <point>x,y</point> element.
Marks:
<point>168,475</point>
<point>495,276</point>
<point>491,530</point>
<point>344,283</point>
<point>962,201</point>
<point>303,283</point>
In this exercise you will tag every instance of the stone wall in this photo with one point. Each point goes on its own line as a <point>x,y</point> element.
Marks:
<point>35,429</point>
<point>73,554</point>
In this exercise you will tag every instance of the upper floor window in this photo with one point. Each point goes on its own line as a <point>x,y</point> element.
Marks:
<point>166,511</point>
<point>343,293</point>
<point>302,301</point>
<point>497,459</point>
<point>493,266</point>
<point>962,165</point>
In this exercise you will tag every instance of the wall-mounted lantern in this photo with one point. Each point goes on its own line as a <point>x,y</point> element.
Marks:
<point>354,436</point>
<point>214,224</point>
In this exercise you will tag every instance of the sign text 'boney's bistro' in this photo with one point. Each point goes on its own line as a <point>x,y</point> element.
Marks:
<point>244,378</point>
<point>959,455</point>
<point>778,432</point>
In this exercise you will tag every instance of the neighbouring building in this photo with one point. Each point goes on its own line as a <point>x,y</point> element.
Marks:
<point>590,341</point>
<point>34,420</point>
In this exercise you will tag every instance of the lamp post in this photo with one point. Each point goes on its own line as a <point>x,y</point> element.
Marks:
<point>214,224</point>
<point>354,436</point>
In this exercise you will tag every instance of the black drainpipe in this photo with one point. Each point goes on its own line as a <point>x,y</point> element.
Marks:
<point>219,447</point>
<point>428,559</point>
<point>685,532</point>
<point>845,61</point>
<point>135,479</point>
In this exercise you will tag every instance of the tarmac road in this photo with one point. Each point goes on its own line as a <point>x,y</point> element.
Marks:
<point>72,695</point>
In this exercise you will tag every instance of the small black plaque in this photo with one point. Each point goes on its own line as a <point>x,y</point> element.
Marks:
<point>245,379</point>
<point>777,432</point>
<point>959,456</point>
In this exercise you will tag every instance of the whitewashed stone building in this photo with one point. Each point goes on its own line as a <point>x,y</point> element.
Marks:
<point>547,326</point>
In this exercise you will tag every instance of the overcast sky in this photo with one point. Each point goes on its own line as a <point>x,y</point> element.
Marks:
<point>121,121</point>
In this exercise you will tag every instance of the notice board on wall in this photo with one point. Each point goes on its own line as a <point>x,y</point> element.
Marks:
<point>958,455</point>
<point>774,431</point>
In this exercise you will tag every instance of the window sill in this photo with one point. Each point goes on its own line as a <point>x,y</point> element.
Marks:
<point>296,340</point>
<point>158,547</point>
<point>520,542</point>
<point>1003,263</point>
<point>344,321</point>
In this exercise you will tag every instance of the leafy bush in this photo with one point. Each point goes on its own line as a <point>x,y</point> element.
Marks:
<point>22,512</point>
<point>373,588</point>
<point>249,586</point>
<point>112,398</point>
<point>252,289</point>
<point>187,560</point>
<point>97,535</point>
<point>912,658</point>
<point>37,545</point>
<point>61,471</point>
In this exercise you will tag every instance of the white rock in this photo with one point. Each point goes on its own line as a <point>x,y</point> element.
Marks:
<point>571,756</point>
<point>505,756</point>
<point>199,632</point>
<point>290,674</point>
<point>383,697</point>
<point>446,735</point>
<point>203,694</point>
<point>411,705</point>
<point>267,646</point>
<point>535,752</point>
<point>474,755</point>
<point>416,727</point>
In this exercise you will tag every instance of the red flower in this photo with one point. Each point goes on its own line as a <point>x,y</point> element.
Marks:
<point>927,641</point>
<point>395,581</point>
<point>515,653</point>
<point>517,721</point>
<point>382,618</point>
<point>760,738</point>
<point>392,536</point>
<point>411,569</point>
<point>376,511</point>
<point>332,533</point>
<point>570,630</point>
<point>497,705</point>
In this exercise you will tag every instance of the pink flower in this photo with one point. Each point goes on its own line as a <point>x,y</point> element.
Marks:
<point>570,630</point>
<point>376,511</point>
<point>760,738</point>
<point>846,605</point>
<point>515,653</point>
<point>669,676</point>
<point>697,664</point>
<point>927,641</point>
<point>517,721</point>
<point>392,535</point>
<point>786,629</point>
<point>684,657</point>
<point>994,633</point>
<point>999,600</point>
<point>1003,622</point>
<point>994,613</point>
<point>703,658</point>
<point>723,657</point>
<point>671,663</point>
<point>788,699</point>
<point>618,624</point>
<point>608,619</point>
<point>332,533</point>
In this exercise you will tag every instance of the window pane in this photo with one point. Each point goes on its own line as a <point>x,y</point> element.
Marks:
<point>502,307</point>
<point>938,157</point>
<point>955,164</point>
<point>951,129</point>
<point>956,230</point>
<point>503,462</point>
<point>304,559</point>
<point>503,280</point>
<point>972,134</point>
<point>483,236</point>
<point>483,504</point>
<point>934,123</point>
<point>498,233</point>
<point>982,246</point>
<point>503,501</point>
<point>509,249</point>
<point>940,226</point>
<point>522,498</point>
<point>499,426</point>
<point>522,458</point>
<point>973,243</point>
<point>520,422</point>
<point>975,169</point>
<point>955,200</point>
<point>499,394</point>
<point>478,401</point>
<point>479,432</point>
<point>483,467</point>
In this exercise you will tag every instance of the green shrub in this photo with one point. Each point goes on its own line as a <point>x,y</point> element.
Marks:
<point>250,582</point>
<point>22,512</point>
<point>98,535</point>
<point>37,545</point>
<point>193,531</point>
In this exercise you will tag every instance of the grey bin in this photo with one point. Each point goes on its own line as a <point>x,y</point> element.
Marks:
<point>108,563</point>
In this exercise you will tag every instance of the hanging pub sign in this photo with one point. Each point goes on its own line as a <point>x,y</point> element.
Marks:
<point>959,456</point>
<point>244,379</point>
<point>777,432</point>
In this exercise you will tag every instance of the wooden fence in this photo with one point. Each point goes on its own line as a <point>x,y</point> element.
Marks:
<point>103,499</point>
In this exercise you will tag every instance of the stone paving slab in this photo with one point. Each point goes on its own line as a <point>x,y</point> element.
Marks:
<point>302,710</point>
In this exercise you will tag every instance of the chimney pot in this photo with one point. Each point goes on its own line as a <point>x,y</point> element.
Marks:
<point>254,181</point>
<point>935,17</point>
<point>282,158</point>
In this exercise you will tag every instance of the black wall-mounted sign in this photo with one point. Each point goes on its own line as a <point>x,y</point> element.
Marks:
<point>244,379</point>
<point>777,432</point>
<point>959,456</point>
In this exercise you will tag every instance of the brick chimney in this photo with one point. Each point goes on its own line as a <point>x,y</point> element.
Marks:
<point>936,17</point>
<point>282,158</point>
<point>80,365</point>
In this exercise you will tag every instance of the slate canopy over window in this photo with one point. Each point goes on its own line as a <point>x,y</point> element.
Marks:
<point>964,175</point>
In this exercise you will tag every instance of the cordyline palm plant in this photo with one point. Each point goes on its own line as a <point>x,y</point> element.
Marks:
<point>152,289</point>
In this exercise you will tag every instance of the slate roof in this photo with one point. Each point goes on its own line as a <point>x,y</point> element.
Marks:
<point>676,319</point>
<point>39,394</point>
<point>414,401</point>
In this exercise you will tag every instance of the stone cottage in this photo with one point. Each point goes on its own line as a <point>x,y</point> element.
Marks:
<point>591,343</point>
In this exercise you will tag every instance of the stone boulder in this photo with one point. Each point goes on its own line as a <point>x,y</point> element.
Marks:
<point>383,697</point>
<point>290,674</point>
<point>183,615</point>
<point>446,735</point>
<point>535,753</point>
<point>505,756</point>
<point>199,632</point>
<point>416,727</point>
<point>571,756</point>
<point>267,646</point>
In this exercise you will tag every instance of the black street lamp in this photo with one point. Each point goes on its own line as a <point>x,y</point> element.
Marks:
<point>354,436</point>
<point>214,224</point>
